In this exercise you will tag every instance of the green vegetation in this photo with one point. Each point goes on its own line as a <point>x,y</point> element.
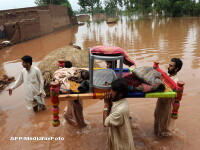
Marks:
<point>177,8</point>
<point>68,5</point>
<point>173,8</point>
<point>90,6</point>
<point>88,21</point>
<point>46,2</point>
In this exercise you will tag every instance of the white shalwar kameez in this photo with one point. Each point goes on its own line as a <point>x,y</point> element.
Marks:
<point>33,85</point>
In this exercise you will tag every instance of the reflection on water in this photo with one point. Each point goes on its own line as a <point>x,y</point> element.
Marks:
<point>152,38</point>
<point>145,40</point>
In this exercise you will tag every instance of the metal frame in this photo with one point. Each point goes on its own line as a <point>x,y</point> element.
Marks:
<point>105,58</point>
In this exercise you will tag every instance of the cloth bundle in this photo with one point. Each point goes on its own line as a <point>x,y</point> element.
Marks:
<point>65,74</point>
<point>70,79</point>
<point>146,80</point>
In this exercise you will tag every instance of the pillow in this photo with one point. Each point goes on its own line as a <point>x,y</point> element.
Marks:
<point>147,74</point>
<point>112,51</point>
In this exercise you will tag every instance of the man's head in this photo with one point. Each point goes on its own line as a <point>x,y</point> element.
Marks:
<point>68,64</point>
<point>109,64</point>
<point>119,89</point>
<point>85,75</point>
<point>26,61</point>
<point>175,66</point>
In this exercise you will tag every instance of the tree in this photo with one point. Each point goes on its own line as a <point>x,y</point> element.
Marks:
<point>188,8</point>
<point>89,5</point>
<point>40,2</point>
<point>197,9</point>
<point>111,7</point>
<point>144,6</point>
<point>161,6</point>
<point>46,2</point>
<point>70,10</point>
<point>173,8</point>
<point>98,8</point>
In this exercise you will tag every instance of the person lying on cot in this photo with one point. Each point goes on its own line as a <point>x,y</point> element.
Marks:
<point>64,89</point>
<point>65,75</point>
<point>116,117</point>
<point>73,112</point>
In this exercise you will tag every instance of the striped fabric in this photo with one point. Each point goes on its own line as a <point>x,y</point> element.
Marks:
<point>148,75</point>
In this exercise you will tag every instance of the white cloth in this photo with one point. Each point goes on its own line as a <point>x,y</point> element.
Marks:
<point>1,27</point>
<point>33,85</point>
<point>163,122</point>
<point>65,74</point>
<point>174,78</point>
<point>120,133</point>
<point>62,75</point>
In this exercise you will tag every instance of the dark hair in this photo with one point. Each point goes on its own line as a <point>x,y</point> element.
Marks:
<point>27,59</point>
<point>178,63</point>
<point>111,62</point>
<point>68,64</point>
<point>85,74</point>
<point>120,86</point>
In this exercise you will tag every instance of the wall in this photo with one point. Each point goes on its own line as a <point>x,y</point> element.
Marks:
<point>46,25</point>
<point>10,29</point>
<point>83,18</point>
<point>17,15</point>
<point>98,17</point>
<point>27,23</point>
<point>29,29</point>
<point>60,17</point>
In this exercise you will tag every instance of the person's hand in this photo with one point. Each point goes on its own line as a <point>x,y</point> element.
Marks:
<point>107,98</point>
<point>40,94</point>
<point>10,92</point>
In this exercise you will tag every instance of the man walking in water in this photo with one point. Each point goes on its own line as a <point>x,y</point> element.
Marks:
<point>163,109</point>
<point>33,81</point>
<point>116,117</point>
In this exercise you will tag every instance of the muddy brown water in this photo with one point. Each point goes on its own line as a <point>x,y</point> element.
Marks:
<point>145,40</point>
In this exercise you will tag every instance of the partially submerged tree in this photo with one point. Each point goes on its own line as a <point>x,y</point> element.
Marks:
<point>172,8</point>
<point>176,8</point>
<point>89,5</point>
<point>111,7</point>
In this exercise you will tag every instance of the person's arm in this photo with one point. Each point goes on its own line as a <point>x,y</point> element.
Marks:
<point>107,106</point>
<point>41,81</point>
<point>17,83</point>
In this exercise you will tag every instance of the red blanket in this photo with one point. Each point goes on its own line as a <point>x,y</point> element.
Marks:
<point>112,51</point>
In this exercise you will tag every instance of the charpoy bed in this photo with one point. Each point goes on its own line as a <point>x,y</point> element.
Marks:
<point>172,89</point>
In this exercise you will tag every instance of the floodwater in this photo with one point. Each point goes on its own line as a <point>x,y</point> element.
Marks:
<point>145,40</point>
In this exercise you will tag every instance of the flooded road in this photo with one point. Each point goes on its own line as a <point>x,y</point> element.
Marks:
<point>145,40</point>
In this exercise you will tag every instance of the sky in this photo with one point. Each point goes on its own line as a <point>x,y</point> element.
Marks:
<point>13,4</point>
